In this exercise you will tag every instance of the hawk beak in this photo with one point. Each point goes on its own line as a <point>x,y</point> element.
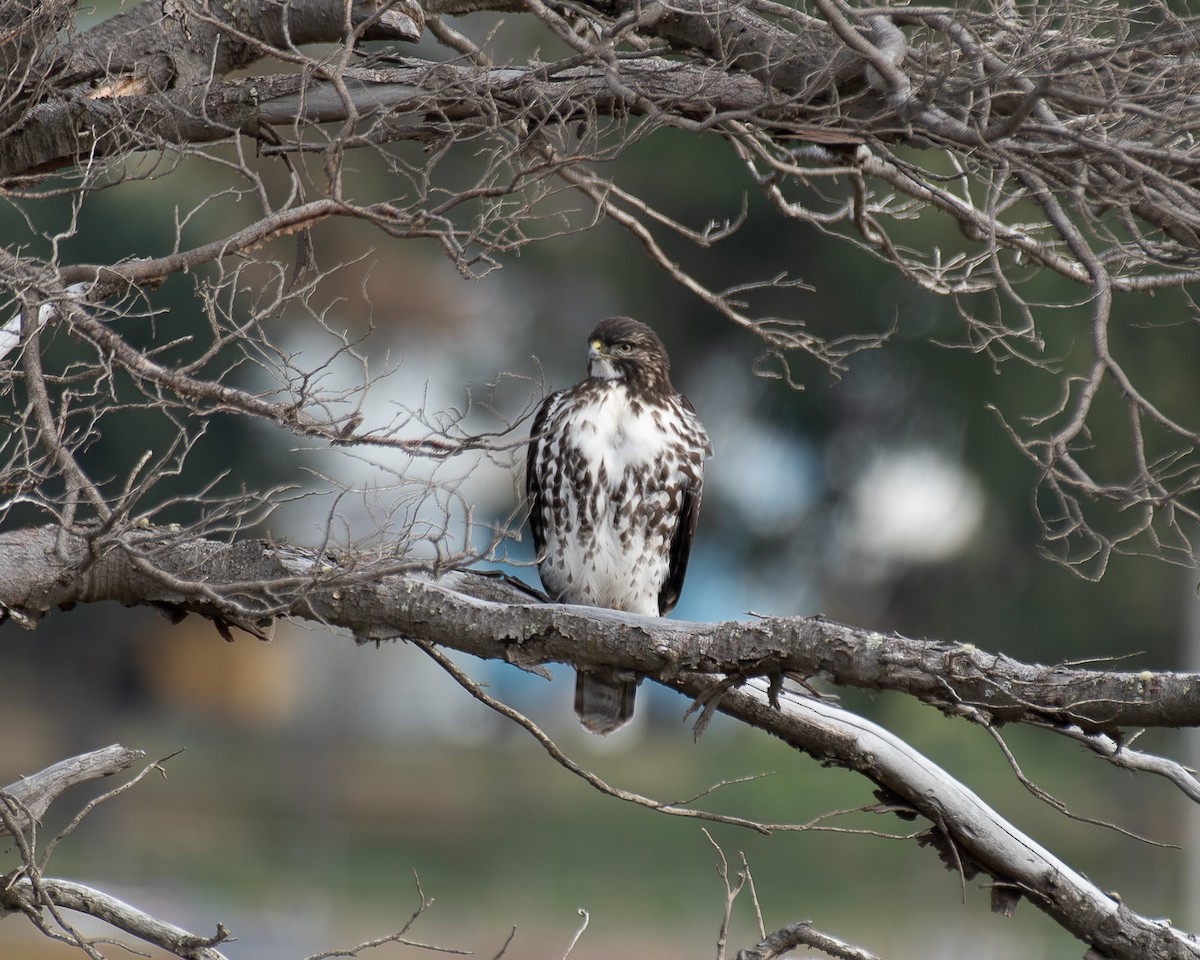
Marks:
<point>600,363</point>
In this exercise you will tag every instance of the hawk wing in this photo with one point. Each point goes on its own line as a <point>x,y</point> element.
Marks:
<point>533,480</point>
<point>685,529</point>
<point>681,548</point>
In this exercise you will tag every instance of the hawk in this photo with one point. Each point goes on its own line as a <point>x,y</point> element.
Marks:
<point>614,474</point>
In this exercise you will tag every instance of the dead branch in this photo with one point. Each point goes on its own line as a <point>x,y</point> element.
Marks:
<point>979,839</point>
<point>1072,114</point>
<point>31,896</point>
<point>783,941</point>
<point>32,795</point>
<point>258,580</point>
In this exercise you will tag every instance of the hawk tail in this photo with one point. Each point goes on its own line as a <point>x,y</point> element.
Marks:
<point>602,702</point>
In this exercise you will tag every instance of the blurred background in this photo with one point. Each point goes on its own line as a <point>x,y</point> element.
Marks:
<point>320,782</point>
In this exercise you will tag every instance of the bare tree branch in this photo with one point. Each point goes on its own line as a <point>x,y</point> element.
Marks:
<point>977,839</point>
<point>28,896</point>
<point>33,795</point>
<point>783,941</point>
<point>966,832</point>
<point>483,616</point>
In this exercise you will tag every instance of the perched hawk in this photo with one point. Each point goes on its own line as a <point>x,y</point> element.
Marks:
<point>614,473</point>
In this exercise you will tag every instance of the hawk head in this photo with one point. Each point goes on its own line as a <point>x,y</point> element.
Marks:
<point>624,349</point>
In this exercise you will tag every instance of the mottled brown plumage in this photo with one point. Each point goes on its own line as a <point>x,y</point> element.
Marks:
<point>614,476</point>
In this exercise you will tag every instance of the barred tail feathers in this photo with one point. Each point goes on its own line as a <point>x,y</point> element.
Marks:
<point>602,702</point>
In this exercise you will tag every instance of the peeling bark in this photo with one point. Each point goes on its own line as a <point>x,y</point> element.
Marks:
<point>252,581</point>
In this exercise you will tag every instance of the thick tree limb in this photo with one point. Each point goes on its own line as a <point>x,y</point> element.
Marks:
<point>407,95</point>
<point>257,579</point>
<point>970,836</point>
<point>251,580</point>
<point>186,44</point>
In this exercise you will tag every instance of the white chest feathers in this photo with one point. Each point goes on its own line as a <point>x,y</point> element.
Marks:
<point>615,473</point>
<point>612,436</point>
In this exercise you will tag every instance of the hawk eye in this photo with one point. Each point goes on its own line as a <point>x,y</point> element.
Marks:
<point>623,347</point>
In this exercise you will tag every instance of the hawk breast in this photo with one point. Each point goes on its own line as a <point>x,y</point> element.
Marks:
<point>613,477</point>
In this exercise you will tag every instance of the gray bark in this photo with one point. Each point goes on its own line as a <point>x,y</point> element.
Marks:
<point>30,797</point>
<point>28,895</point>
<point>58,131</point>
<point>720,665</point>
<point>251,582</point>
<point>970,837</point>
